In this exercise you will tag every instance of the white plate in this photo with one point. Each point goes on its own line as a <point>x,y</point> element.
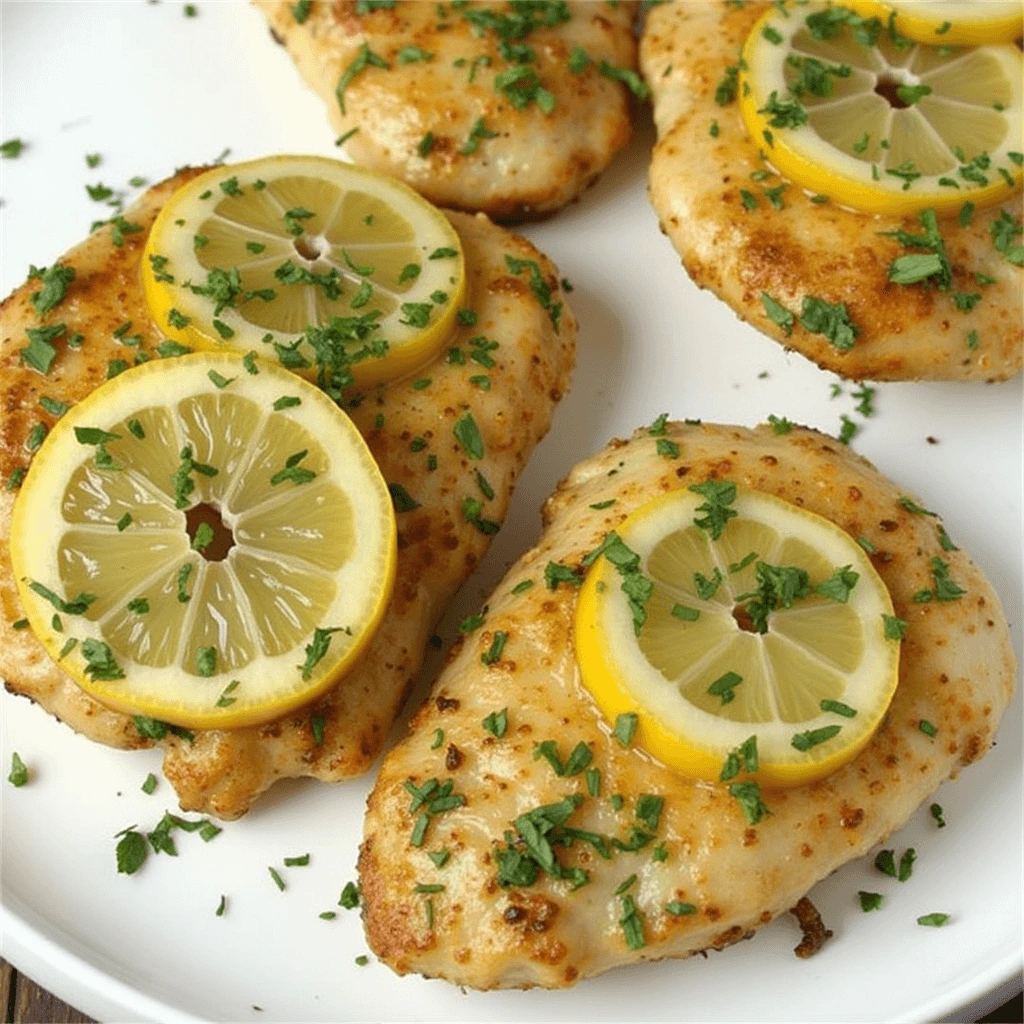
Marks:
<point>151,90</point>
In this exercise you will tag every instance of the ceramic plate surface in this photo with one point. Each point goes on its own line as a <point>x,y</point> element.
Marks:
<point>152,90</point>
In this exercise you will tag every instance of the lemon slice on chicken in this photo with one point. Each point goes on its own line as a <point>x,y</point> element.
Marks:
<point>949,22</point>
<point>773,624</point>
<point>339,272</point>
<point>848,109</point>
<point>206,541</point>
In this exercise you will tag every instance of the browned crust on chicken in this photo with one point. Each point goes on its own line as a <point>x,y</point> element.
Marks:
<point>956,670</point>
<point>906,332</point>
<point>537,163</point>
<point>221,772</point>
<point>813,930</point>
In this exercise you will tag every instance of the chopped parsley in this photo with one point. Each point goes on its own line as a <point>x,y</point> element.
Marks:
<point>496,723</point>
<point>679,909</point>
<point>78,606</point>
<point>869,901</point>
<point>493,654</point>
<point>785,111</point>
<point>804,741</point>
<point>538,286</point>
<point>831,321</point>
<point>1004,234</point>
<point>521,86</point>
<point>100,663</point>
<point>635,585</point>
<point>743,758</point>
<point>632,924</point>
<point>131,851</point>
<point>906,868</point>
<point>19,771</point>
<point>206,661</point>
<point>724,686</point>
<point>837,707</point>
<point>413,55</point>
<point>839,586</point>
<point>725,91</point>
<point>477,134</point>
<point>911,94</point>
<point>895,628</point>
<point>748,795</point>
<point>917,267</point>
<point>402,499</point>
<point>39,353</point>
<point>777,313</point>
<point>468,435</point>
<point>680,611</point>
<point>636,85</point>
<point>364,59</point>
<point>579,60</point>
<point>718,495</point>
<point>625,727</point>
<point>55,281</point>
<point>555,573</point>
<point>317,649</point>
<point>293,471</point>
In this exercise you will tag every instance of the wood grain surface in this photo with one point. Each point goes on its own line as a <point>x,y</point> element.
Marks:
<point>24,1002</point>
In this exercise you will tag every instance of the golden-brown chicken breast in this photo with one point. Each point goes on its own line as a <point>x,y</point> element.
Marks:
<point>526,365</point>
<point>956,671</point>
<point>510,108</point>
<point>805,248</point>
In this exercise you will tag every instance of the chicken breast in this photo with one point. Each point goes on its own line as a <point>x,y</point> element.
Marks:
<point>836,254</point>
<point>956,670</point>
<point>420,86</point>
<point>528,368</point>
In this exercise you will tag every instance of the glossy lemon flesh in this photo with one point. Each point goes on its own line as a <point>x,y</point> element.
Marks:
<point>878,122</point>
<point>230,532</point>
<point>337,272</point>
<point>699,631</point>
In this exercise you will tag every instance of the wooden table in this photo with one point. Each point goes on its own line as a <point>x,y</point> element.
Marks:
<point>25,1002</point>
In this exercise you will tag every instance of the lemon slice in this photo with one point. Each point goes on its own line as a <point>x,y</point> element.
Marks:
<point>876,122</point>
<point>950,22</point>
<point>206,541</point>
<point>700,676</point>
<point>340,272</point>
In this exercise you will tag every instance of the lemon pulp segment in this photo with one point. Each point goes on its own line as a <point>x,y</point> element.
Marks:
<point>219,522</point>
<point>698,633</point>
<point>949,22</point>
<point>882,125</point>
<point>329,268</point>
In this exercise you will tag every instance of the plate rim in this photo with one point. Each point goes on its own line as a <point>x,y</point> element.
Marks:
<point>88,988</point>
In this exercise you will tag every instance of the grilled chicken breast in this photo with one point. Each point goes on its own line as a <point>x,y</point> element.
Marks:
<point>221,772</point>
<point>837,254</point>
<point>419,84</point>
<point>956,671</point>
